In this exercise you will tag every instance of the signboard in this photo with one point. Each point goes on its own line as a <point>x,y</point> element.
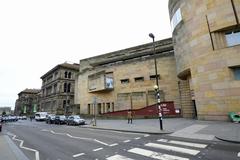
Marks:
<point>168,109</point>
<point>109,82</point>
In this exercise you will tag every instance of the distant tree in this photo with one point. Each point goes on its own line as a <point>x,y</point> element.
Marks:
<point>4,113</point>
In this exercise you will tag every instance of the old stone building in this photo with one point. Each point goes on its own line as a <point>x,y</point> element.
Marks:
<point>125,79</point>
<point>206,38</point>
<point>58,89</point>
<point>28,102</point>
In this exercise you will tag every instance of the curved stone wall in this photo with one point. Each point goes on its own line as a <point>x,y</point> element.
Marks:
<point>205,55</point>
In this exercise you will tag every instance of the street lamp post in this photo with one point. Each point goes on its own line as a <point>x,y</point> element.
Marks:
<point>156,87</point>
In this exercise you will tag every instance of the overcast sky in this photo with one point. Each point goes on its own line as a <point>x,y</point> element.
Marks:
<point>36,35</point>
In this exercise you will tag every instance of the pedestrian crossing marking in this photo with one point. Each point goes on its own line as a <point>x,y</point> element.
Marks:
<point>155,155</point>
<point>118,157</point>
<point>172,148</point>
<point>238,154</point>
<point>197,145</point>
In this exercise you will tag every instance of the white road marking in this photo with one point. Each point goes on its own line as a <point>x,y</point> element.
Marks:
<point>115,144</point>
<point>97,149</point>
<point>26,148</point>
<point>155,155</point>
<point>137,138</point>
<point>101,142</point>
<point>238,154</point>
<point>172,148</point>
<point>118,157</point>
<point>77,155</point>
<point>197,145</point>
<point>146,135</point>
<point>82,138</point>
<point>126,141</point>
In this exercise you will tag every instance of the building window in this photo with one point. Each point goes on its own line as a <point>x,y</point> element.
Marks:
<point>69,87</point>
<point>65,87</point>
<point>232,37</point>
<point>56,75</point>
<point>236,73</point>
<point>139,79</point>
<point>153,77</point>
<point>176,19</point>
<point>66,74</point>
<point>64,103</point>
<point>69,75</point>
<point>55,88</point>
<point>124,81</point>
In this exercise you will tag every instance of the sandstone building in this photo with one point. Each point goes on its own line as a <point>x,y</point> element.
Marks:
<point>28,102</point>
<point>58,89</point>
<point>125,79</point>
<point>206,39</point>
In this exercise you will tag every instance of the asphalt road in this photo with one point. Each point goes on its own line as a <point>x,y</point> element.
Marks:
<point>41,141</point>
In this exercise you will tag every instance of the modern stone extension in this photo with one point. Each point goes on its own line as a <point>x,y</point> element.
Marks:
<point>125,79</point>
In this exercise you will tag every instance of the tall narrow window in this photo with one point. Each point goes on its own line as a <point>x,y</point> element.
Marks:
<point>69,87</point>
<point>66,74</point>
<point>65,87</point>
<point>69,75</point>
<point>64,103</point>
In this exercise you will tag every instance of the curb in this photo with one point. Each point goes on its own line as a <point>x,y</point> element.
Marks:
<point>227,140</point>
<point>131,131</point>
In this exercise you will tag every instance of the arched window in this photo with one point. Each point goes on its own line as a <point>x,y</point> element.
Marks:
<point>69,87</point>
<point>66,74</point>
<point>69,75</point>
<point>65,87</point>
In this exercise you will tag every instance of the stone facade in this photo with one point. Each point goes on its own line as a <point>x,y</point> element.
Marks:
<point>125,79</point>
<point>207,59</point>
<point>58,89</point>
<point>28,102</point>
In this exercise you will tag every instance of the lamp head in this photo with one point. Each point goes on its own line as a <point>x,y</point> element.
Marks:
<point>155,87</point>
<point>151,35</point>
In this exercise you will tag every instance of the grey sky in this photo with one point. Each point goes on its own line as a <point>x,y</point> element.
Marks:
<point>36,35</point>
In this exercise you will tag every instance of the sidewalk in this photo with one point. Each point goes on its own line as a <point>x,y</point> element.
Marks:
<point>179,127</point>
<point>8,150</point>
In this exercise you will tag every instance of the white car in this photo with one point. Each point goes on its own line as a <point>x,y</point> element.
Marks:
<point>41,116</point>
<point>75,120</point>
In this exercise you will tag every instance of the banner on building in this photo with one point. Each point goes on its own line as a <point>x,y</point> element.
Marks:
<point>34,108</point>
<point>24,109</point>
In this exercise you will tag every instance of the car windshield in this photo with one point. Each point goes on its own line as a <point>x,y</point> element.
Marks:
<point>76,117</point>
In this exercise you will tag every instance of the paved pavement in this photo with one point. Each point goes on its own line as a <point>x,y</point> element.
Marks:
<point>8,150</point>
<point>178,127</point>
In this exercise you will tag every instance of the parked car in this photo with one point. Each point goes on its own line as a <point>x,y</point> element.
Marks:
<point>75,120</point>
<point>60,119</point>
<point>24,117</point>
<point>50,119</point>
